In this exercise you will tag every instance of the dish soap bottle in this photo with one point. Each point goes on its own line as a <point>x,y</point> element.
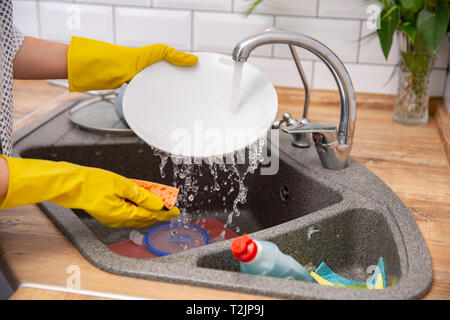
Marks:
<point>265,258</point>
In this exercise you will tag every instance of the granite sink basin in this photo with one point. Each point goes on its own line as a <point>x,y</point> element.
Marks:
<point>347,218</point>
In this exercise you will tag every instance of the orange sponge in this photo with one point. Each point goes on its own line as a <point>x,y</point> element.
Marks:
<point>167,194</point>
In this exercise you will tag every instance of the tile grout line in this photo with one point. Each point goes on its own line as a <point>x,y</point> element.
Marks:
<point>38,13</point>
<point>114,29</point>
<point>358,49</point>
<point>192,31</point>
<point>272,48</point>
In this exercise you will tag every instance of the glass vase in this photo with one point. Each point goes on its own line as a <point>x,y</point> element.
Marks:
<point>416,65</point>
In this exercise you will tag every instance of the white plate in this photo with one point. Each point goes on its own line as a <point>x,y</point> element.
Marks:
<point>186,111</point>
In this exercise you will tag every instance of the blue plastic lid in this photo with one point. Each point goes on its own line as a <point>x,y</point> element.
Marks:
<point>175,237</point>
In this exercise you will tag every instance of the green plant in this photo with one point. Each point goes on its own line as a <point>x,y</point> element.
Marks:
<point>427,20</point>
<point>253,5</point>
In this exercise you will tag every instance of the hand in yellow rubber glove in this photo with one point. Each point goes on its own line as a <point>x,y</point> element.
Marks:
<point>97,65</point>
<point>100,193</point>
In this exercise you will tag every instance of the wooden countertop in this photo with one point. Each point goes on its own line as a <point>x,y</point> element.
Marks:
<point>411,160</point>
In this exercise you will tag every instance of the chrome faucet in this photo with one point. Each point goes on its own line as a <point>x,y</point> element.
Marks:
<point>333,145</point>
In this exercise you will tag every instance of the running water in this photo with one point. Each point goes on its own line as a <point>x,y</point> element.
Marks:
<point>255,158</point>
<point>223,180</point>
<point>235,89</point>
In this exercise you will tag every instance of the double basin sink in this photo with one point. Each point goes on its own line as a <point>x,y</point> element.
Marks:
<point>347,218</point>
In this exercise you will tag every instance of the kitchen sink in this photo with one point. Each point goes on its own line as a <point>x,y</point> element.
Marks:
<point>347,218</point>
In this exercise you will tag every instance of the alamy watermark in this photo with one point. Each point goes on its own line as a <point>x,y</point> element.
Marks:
<point>73,21</point>
<point>74,279</point>
<point>373,20</point>
<point>239,146</point>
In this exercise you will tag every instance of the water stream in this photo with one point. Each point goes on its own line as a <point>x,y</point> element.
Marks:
<point>212,178</point>
<point>235,89</point>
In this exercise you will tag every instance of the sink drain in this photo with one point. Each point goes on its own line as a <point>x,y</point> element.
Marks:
<point>284,194</point>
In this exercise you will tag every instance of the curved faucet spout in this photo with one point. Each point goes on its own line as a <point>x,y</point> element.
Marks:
<point>334,155</point>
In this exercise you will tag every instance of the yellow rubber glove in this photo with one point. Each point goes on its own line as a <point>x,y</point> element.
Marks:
<point>97,65</point>
<point>100,193</point>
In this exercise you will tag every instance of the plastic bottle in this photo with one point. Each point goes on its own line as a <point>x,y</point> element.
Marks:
<point>265,258</point>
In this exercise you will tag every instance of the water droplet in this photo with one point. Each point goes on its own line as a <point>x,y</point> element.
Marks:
<point>311,230</point>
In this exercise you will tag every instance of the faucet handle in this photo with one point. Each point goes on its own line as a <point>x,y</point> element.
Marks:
<point>332,154</point>
<point>300,140</point>
<point>312,127</point>
<point>286,118</point>
<point>324,134</point>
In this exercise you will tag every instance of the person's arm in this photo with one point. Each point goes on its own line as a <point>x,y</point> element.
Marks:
<point>90,64</point>
<point>4,178</point>
<point>40,59</point>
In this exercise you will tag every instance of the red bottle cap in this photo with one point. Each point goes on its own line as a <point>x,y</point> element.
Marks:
<point>244,248</point>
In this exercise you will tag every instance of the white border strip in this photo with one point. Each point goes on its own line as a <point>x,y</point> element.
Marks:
<point>80,291</point>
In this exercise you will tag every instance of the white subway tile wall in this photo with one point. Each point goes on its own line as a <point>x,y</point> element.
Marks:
<point>370,49</point>
<point>283,72</point>
<point>140,27</point>
<point>356,9</point>
<point>443,55</point>
<point>284,7</point>
<point>365,78</point>
<point>144,3</point>
<point>339,35</point>
<point>437,86</point>
<point>59,21</point>
<point>217,25</point>
<point>25,16</point>
<point>221,5</point>
<point>219,32</point>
